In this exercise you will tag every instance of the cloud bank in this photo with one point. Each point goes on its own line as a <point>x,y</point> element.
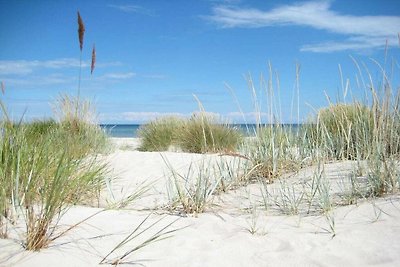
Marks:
<point>362,32</point>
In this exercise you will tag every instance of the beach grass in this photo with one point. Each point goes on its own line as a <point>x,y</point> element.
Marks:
<point>343,131</point>
<point>198,134</point>
<point>192,192</point>
<point>49,165</point>
<point>271,153</point>
<point>204,134</point>
<point>46,166</point>
<point>44,169</point>
<point>365,131</point>
<point>160,134</point>
<point>128,246</point>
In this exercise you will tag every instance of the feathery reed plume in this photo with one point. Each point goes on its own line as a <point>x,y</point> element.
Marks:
<point>3,90</point>
<point>81,30</point>
<point>93,59</point>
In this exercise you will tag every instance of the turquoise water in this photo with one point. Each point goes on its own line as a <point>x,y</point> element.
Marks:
<point>130,130</point>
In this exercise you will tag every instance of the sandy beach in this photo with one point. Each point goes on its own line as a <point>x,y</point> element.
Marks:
<point>200,133</point>
<point>234,230</point>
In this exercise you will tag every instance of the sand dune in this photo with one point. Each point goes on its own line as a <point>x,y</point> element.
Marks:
<point>366,234</point>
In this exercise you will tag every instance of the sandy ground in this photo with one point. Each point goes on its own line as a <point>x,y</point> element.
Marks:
<point>366,234</point>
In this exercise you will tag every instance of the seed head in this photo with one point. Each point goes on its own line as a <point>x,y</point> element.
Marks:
<point>81,30</point>
<point>93,59</point>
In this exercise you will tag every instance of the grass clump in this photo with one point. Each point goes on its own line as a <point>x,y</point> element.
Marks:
<point>356,131</point>
<point>199,134</point>
<point>343,131</point>
<point>41,176</point>
<point>46,166</point>
<point>192,191</point>
<point>271,153</point>
<point>82,138</point>
<point>383,176</point>
<point>160,134</point>
<point>275,148</point>
<point>40,128</point>
<point>77,126</point>
<point>202,134</point>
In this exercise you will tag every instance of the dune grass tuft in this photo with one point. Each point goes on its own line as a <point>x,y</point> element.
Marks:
<point>203,134</point>
<point>47,166</point>
<point>199,134</point>
<point>271,153</point>
<point>343,131</point>
<point>160,134</point>
<point>192,192</point>
<point>39,128</point>
<point>41,176</point>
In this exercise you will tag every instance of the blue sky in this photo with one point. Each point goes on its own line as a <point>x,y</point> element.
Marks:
<point>153,56</point>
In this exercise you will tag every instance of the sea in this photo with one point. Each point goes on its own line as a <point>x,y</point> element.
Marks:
<point>131,130</point>
<point>121,130</point>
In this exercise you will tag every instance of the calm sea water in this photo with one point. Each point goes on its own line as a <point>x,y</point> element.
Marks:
<point>120,130</point>
<point>130,130</point>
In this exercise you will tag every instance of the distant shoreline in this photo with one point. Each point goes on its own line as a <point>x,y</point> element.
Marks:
<point>130,130</point>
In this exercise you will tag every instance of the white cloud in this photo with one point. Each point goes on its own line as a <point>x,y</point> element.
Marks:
<point>363,31</point>
<point>133,9</point>
<point>137,117</point>
<point>126,8</point>
<point>119,76</point>
<point>24,67</point>
<point>154,76</point>
<point>226,1</point>
<point>51,79</point>
<point>355,43</point>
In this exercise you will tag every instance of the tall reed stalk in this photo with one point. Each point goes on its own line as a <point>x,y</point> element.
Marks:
<point>273,150</point>
<point>81,33</point>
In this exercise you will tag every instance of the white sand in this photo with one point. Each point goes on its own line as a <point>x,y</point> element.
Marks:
<point>367,234</point>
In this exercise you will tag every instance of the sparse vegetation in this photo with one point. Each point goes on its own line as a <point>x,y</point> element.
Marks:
<point>352,131</point>
<point>192,191</point>
<point>127,244</point>
<point>47,166</point>
<point>271,153</point>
